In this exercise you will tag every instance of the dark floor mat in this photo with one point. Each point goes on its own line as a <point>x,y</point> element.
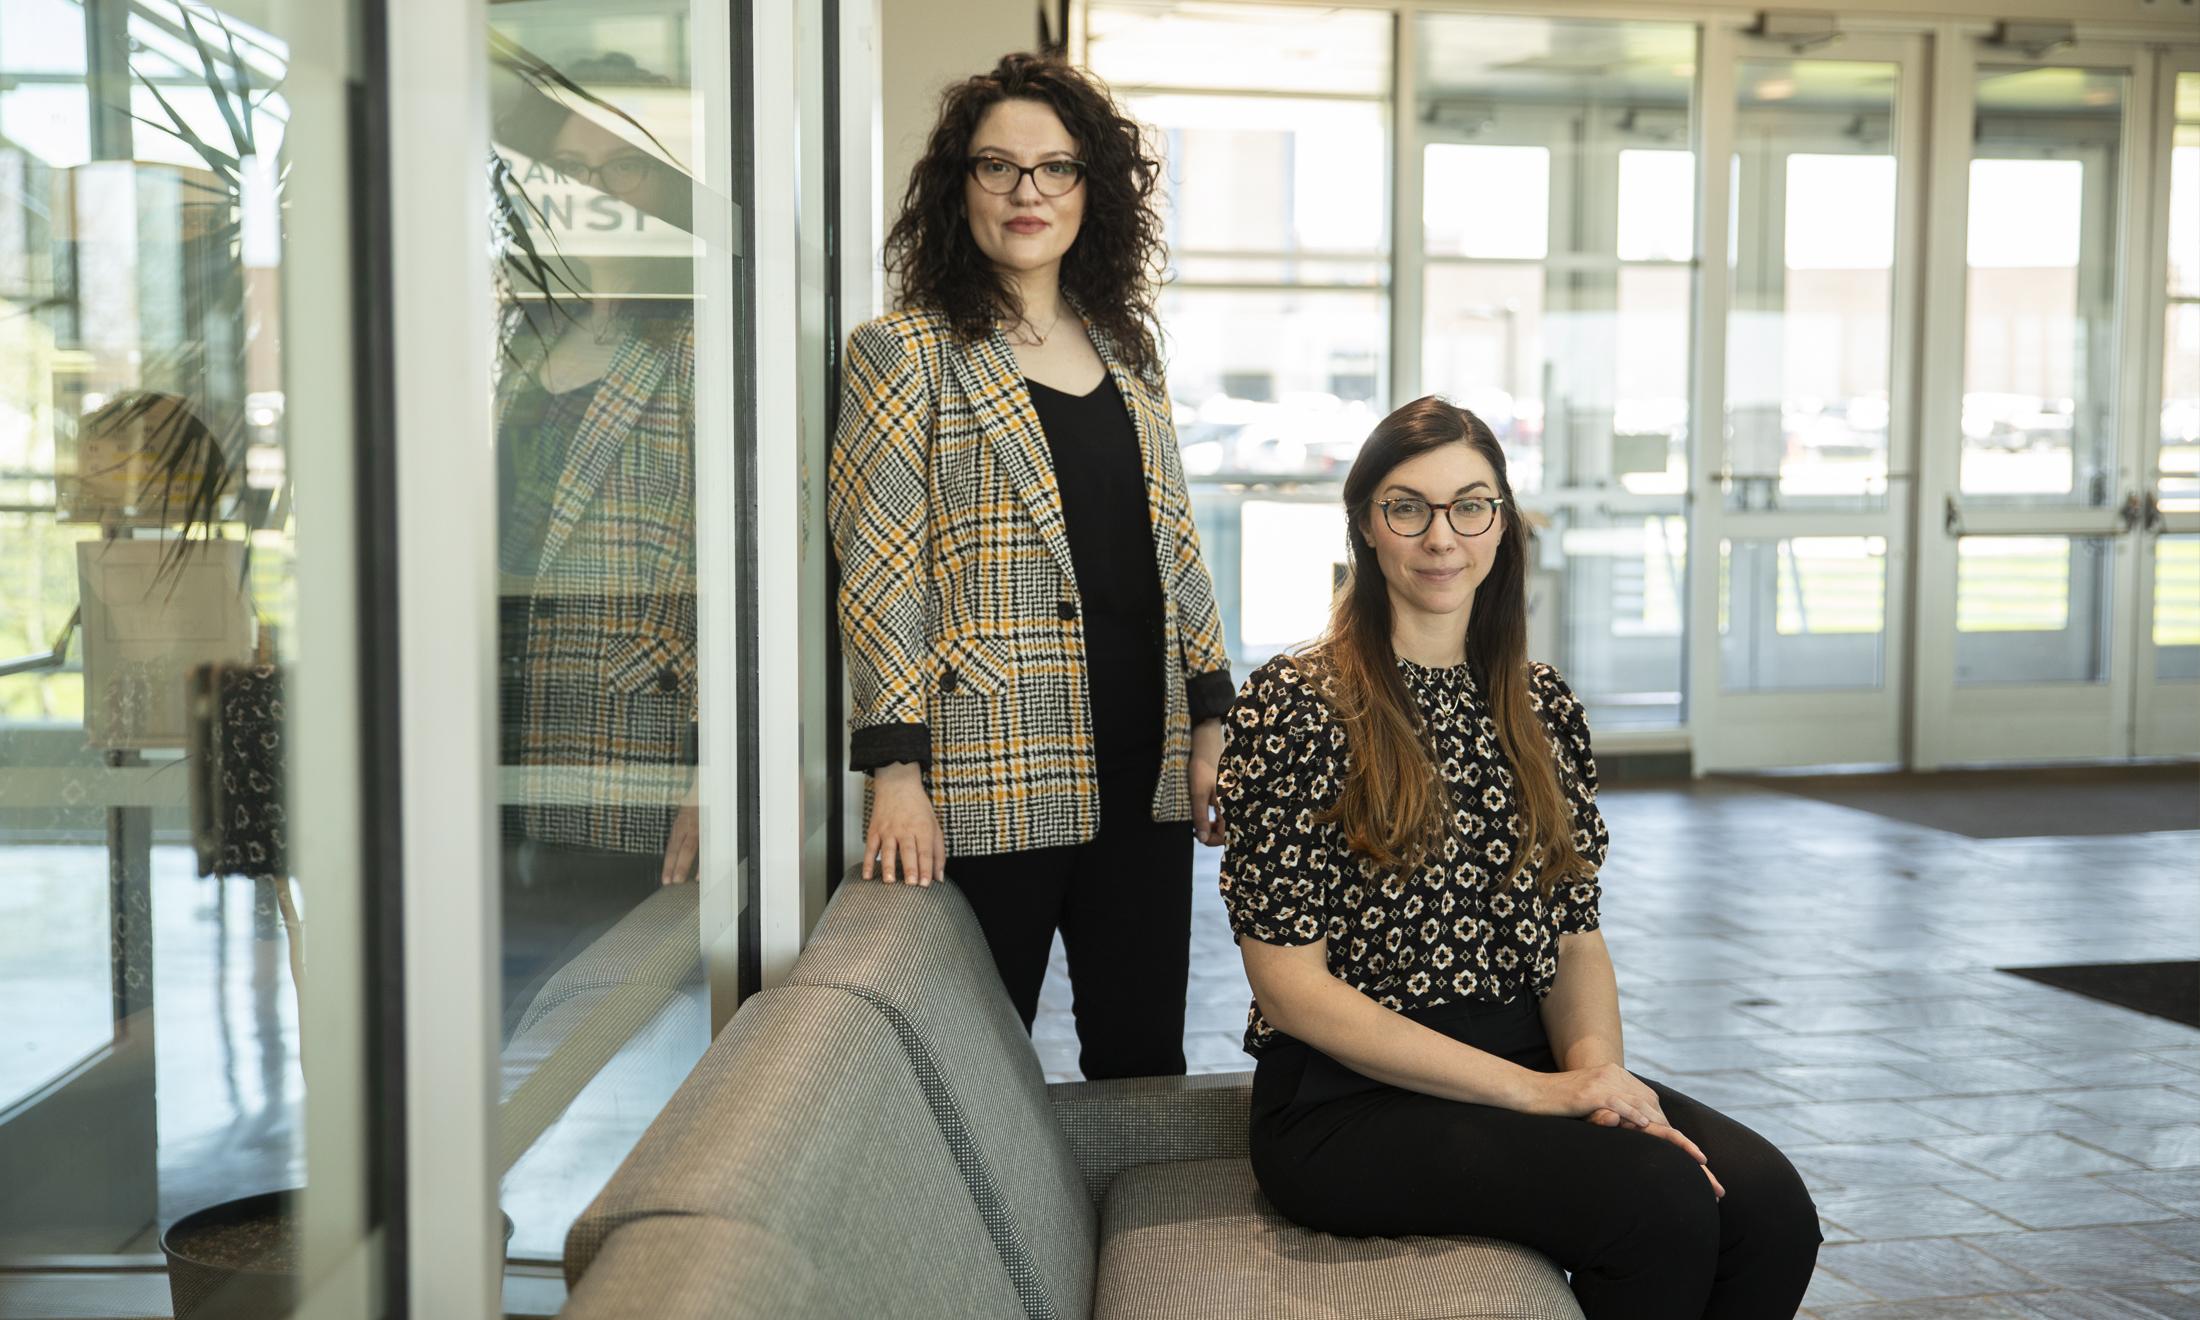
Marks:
<point>2165,989</point>
<point>2012,804</point>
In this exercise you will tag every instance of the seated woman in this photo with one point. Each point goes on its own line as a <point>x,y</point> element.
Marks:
<point>1411,872</point>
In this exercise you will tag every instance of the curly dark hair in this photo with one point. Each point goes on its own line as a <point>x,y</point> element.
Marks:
<point>1112,266</point>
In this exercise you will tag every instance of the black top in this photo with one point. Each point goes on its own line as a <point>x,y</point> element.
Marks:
<point>1102,477</point>
<point>1449,930</point>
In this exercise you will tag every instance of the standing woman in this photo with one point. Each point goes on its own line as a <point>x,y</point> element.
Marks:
<point>1412,877</point>
<point>1031,634</point>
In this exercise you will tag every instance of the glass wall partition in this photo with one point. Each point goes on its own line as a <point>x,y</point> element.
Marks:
<point>615,222</point>
<point>179,620</point>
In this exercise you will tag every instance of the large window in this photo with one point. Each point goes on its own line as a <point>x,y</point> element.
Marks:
<point>1273,127</point>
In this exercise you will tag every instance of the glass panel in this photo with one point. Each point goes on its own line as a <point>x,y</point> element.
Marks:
<point>607,175</point>
<point>1617,582</point>
<point>1189,43</point>
<point>2032,609</point>
<point>2177,607</point>
<point>1293,556</point>
<point>2039,369</point>
<point>2178,482</point>
<point>1561,317</point>
<point>1270,384</point>
<point>1808,347</point>
<point>1808,612</point>
<point>1270,175</point>
<point>150,285</point>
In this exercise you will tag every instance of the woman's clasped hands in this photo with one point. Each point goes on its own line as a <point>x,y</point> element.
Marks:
<point>1610,1096</point>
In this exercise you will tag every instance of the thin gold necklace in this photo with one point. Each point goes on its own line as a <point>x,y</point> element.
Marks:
<point>1038,338</point>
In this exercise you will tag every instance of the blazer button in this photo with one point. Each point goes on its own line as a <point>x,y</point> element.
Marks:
<point>668,680</point>
<point>948,680</point>
<point>1065,610</point>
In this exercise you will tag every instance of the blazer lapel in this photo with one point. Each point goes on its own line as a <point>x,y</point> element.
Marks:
<point>994,384</point>
<point>626,385</point>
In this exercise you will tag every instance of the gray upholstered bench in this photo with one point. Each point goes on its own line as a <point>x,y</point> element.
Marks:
<point>875,1139</point>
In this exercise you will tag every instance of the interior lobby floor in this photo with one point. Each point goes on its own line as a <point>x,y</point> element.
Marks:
<point>1979,1145</point>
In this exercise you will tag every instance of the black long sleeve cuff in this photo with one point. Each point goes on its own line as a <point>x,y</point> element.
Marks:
<point>884,744</point>
<point>1209,695</point>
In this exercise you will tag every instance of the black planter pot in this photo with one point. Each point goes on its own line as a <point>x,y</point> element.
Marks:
<point>210,1290</point>
<point>201,1289</point>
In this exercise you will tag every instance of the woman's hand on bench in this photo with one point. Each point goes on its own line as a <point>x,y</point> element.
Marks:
<point>903,841</point>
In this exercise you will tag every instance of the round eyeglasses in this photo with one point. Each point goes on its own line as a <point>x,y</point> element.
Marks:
<point>1412,517</point>
<point>618,176</point>
<point>1053,178</point>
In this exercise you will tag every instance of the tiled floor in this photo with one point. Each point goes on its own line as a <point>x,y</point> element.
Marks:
<point>1979,1146</point>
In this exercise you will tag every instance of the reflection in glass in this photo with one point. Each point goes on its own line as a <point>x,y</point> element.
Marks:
<point>147,611</point>
<point>2177,607</point>
<point>598,151</point>
<point>1807,612</point>
<point>2032,609</point>
<point>1238,47</point>
<point>2039,362</point>
<point>1808,347</point>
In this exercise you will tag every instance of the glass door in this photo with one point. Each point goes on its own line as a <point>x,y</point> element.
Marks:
<point>2033,517</point>
<point>1806,482</point>
<point>2166,658</point>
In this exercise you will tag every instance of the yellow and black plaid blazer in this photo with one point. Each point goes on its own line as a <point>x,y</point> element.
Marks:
<point>959,610</point>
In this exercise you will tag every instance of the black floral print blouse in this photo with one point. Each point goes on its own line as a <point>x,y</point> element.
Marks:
<point>1446,930</point>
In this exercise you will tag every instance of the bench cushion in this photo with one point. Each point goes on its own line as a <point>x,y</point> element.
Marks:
<point>695,1267</point>
<point>920,956</point>
<point>1195,1240</point>
<point>804,1120</point>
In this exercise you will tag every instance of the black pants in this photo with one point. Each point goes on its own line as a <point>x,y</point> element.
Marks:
<point>1629,1215</point>
<point>1123,902</point>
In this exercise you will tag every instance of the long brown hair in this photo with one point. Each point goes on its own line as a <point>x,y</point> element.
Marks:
<point>1111,268</point>
<point>1394,806</point>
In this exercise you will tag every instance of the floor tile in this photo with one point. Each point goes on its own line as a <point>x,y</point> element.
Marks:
<point>1852,1081</point>
<point>2028,1155</point>
<point>2002,1113</point>
<point>2064,1305</point>
<point>1771,1123</point>
<point>2176,1188</point>
<point>1862,1047</point>
<point>1880,1213</point>
<point>1878,1165</point>
<point>1726,1090</point>
<point>1916,1268</point>
<point>2180,1235</point>
<point>2123,1068</point>
<point>1980,1076</point>
<point>1959,1042</point>
<point>2174,1147</point>
<point>2144,1105</point>
<point>1721,1054</point>
<point>1866,1120</point>
<point>2093,1257</point>
<point>1956,1308</point>
<point>2060,1202</point>
<point>1828,1290</point>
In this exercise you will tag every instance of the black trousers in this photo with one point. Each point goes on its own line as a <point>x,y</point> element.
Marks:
<point>1629,1215</point>
<point>1123,902</point>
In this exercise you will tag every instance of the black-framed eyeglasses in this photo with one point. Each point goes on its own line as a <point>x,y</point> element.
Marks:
<point>1053,178</point>
<point>1413,517</point>
<point>618,176</point>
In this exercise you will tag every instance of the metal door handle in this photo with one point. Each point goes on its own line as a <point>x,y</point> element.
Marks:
<point>1952,518</point>
<point>2132,513</point>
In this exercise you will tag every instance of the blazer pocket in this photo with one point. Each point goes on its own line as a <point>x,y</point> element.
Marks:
<point>636,664</point>
<point>969,665</point>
